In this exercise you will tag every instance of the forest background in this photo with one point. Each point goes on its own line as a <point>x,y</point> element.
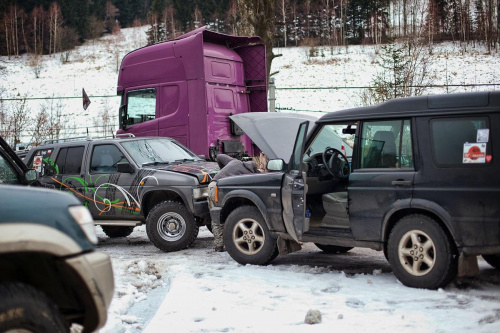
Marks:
<point>47,26</point>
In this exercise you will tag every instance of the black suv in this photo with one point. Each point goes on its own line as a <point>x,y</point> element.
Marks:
<point>50,274</point>
<point>129,181</point>
<point>422,184</point>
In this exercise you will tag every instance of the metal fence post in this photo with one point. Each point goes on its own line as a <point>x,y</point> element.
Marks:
<point>272,95</point>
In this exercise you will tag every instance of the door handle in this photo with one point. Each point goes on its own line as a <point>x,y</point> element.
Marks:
<point>402,182</point>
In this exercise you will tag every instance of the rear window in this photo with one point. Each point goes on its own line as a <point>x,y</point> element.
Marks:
<point>42,162</point>
<point>69,160</point>
<point>461,141</point>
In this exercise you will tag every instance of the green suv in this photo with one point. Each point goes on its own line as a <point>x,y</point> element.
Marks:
<point>50,274</point>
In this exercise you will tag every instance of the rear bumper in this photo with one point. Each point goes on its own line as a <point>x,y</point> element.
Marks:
<point>96,288</point>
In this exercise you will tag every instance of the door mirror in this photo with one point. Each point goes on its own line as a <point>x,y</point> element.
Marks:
<point>30,176</point>
<point>123,116</point>
<point>275,165</point>
<point>124,167</point>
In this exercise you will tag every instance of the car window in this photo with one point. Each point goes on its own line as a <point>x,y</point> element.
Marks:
<point>105,158</point>
<point>42,162</point>
<point>386,144</point>
<point>69,160</point>
<point>332,136</point>
<point>461,141</point>
<point>8,174</point>
<point>157,150</point>
<point>141,106</point>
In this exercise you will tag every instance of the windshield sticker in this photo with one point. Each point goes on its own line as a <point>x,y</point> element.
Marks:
<point>37,163</point>
<point>474,152</point>
<point>483,135</point>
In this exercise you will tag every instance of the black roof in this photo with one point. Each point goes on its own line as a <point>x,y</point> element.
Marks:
<point>421,106</point>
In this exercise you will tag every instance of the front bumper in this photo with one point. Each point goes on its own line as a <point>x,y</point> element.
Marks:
<point>201,208</point>
<point>96,288</point>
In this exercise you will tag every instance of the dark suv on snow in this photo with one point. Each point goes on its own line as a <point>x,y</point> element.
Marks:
<point>130,181</point>
<point>50,274</point>
<point>422,184</point>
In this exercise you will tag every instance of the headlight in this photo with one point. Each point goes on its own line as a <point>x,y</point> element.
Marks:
<point>200,192</point>
<point>84,219</point>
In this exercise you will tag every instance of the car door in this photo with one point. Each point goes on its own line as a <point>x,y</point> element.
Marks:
<point>382,177</point>
<point>294,189</point>
<point>110,193</point>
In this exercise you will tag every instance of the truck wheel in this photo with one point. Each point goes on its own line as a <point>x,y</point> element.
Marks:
<point>492,259</point>
<point>334,249</point>
<point>171,227</point>
<point>113,231</point>
<point>421,254</point>
<point>247,238</point>
<point>25,309</point>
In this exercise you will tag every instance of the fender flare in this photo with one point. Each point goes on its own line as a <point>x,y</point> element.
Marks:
<point>255,199</point>
<point>32,237</point>
<point>423,205</point>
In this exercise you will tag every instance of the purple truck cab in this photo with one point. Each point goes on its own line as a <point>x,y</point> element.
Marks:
<point>187,88</point>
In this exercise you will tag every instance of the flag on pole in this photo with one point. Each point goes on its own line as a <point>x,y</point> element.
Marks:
<point>86,100</point>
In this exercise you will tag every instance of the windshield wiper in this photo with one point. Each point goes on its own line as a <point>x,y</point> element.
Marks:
<point>185,160</point>
<point>155,163</point>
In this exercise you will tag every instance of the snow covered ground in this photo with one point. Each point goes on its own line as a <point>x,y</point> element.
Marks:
<point>198,290</point>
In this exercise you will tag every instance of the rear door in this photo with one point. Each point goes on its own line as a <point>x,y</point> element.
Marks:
<point>294,189</point>
<point>382,177</point>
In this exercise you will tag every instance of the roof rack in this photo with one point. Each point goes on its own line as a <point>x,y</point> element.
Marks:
<point>89,138</point>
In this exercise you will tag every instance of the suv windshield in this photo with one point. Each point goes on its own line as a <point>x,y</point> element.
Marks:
<point>152,151</point>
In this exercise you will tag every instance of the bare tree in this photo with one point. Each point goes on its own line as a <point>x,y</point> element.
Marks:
<point>259,19</point>
<point>55,23</point>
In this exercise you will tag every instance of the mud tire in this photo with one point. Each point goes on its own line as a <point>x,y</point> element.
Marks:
<point>437,259</point>
<point>171,227</point>
<point>492,259</point>
<point>113,231</point>
<point>333,249</point>
<point>241,225</point>
<point>24,308</point>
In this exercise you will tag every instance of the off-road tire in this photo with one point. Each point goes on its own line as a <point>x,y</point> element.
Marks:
<point>333,249</point>
<point>113,231</point>
<point>492,259</point>
<point>171,227</point>
<point>437,259</point>
<point>26,309</point>
<point>247,238</point>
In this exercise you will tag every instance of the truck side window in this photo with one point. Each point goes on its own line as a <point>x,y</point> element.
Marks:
<point>461,141</point>
<point>105,158</point>
<point>386,144</point>
<point>69,160</point>
<point>7,173</point>
<point>43,163</point>
<point>141,106</point>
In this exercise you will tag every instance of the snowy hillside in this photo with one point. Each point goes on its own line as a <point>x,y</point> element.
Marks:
<point>93,66</point>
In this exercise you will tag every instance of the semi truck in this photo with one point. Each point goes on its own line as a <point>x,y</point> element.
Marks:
<point>187,89</point>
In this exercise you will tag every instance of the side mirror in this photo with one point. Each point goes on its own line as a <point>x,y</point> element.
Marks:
<point>30,176</point>
<point>124,167</point>
<point>275,165</point>
<point>123,117</point>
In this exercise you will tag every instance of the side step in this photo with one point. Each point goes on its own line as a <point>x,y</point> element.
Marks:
<point>118,223</point>
<point>338,236</point>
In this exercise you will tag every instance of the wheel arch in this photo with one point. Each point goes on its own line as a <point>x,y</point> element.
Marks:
<point>61,283</point>
<point>155,196</point>
<point>242,198</point>
<point>421,207</point>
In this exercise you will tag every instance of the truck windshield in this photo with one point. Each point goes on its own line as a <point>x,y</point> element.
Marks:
<point>153,151</point>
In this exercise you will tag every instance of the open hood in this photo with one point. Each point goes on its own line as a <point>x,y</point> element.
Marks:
<point>274,133</point>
